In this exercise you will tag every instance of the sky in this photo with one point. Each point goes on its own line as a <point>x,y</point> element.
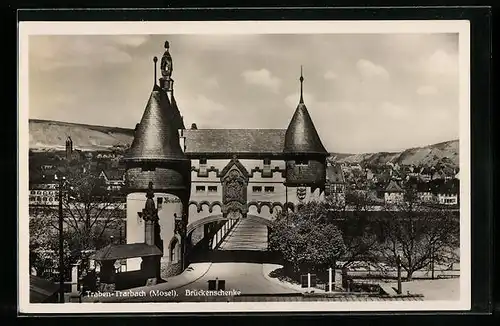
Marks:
<point>364,92</point>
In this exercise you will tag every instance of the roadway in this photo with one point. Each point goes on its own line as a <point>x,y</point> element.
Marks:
<point>238,261</point>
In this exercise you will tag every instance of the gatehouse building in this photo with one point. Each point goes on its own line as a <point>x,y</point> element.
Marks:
<point>200,176</point>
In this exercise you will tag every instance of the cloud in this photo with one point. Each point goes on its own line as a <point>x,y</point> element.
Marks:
<point>64,99</point>
<point>212,82</point>
<point>202,110</point>
<point>441,63</point>
<point>130,40</point>
<point>53,52</point>
<point>427,90</point>
<point>393,111</point>
<point>368,70</point>
<point>293,99</point>
<point>330,75</point>
<point>262,77</point>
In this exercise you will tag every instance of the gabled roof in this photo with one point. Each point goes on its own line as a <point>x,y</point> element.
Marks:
<point>131,250</point>
<point>393,187</point>
<point>234,141</point>
<point>156,137</point>
<point>114,174</point>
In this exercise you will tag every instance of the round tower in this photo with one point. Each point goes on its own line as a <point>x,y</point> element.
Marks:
<point>156,160</point>
<point>304,152</point>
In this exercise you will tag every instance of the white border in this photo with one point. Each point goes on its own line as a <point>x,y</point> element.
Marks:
<point>245,27</point>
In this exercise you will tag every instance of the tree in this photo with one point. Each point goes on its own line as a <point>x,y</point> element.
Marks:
<point>422,235</point>
<point>90,211</point>
<point>359,238</point>
<point>307,239</point>
<point>44,247</point>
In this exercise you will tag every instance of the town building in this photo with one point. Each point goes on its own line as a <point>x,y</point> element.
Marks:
<point>201,175</point>
<point>44,191</point>
<point>335,183</point>
<point>114,179</point>
<point>393,193</point>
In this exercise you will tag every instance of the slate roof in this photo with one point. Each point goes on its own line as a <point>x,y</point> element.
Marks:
<point>217,141</point>
<point>178,121</point>
<point>131,250</point>
<point>114,174</point>
<point>156,137</point>
<point>301,135</point>
<point>41,289</point>
<point>334,174</point>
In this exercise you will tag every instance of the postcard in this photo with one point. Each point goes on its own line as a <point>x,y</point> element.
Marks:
<point>243,166</point>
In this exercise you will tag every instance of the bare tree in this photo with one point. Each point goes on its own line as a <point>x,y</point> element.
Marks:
<point>90,211</point>
<point>421,234</point>
<point>359,238</point>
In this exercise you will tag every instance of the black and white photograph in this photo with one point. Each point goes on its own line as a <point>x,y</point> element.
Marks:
<point>244,166</point>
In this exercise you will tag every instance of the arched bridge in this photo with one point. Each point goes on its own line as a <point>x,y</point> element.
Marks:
<point>216,238</point>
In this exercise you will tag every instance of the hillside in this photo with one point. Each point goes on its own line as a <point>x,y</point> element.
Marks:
<point>51,135</point>
<point>446,153</point>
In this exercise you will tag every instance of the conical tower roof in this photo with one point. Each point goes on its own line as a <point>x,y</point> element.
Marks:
<point>301,136</point>
<point>178,121</point>
<point>156,137</point>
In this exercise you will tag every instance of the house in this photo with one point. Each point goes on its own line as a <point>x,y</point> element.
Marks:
<point>335,182</point>
<point>369,175</point>
<point>393,193</point>
<point>447,192</point>
<point>425,174</point>
<point>114,179</point>
<point>424,192</point>
<point>44,191</point>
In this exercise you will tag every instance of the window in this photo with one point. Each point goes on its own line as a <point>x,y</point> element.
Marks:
<point>267,161</point>
<point>203,161</point>
<point>212,188</point>
<point>200,188</point>
<point>257,189</point>
<point>159,202</point>
<point>301,161</point>
<point>269,189</point>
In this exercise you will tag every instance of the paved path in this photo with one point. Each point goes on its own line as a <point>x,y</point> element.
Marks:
<point>246,235</point>
<point>244,275</point>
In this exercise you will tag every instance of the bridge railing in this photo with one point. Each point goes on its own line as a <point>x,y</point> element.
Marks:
<point>222,233</point>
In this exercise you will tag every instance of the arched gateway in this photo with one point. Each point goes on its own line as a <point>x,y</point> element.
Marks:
<point>217,177</point>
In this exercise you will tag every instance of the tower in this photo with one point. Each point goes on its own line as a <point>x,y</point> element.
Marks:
<point>156,157</point>
<point>69,148</point>
<point>304,153</point>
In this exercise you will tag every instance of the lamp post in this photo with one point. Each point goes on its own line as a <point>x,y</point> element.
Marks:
<point>61,240</point>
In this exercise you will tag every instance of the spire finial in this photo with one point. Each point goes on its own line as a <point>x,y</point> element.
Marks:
<point>301,86</point>
<point>155,60</point>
